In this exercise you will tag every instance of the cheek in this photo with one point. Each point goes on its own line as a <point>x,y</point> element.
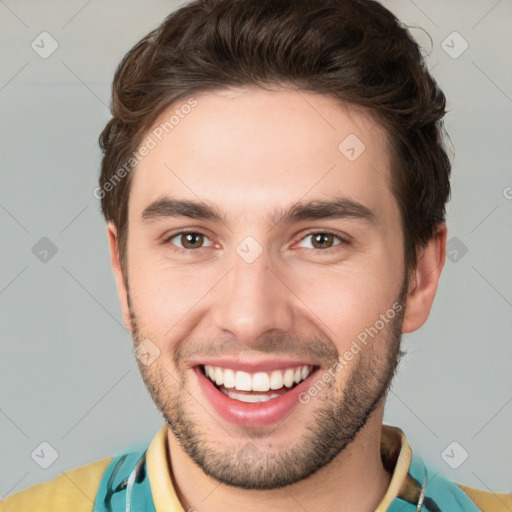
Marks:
<point>163,294</point>
<point>345,301</point>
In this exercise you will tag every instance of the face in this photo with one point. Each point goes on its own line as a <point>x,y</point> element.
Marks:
<point>265,253</point>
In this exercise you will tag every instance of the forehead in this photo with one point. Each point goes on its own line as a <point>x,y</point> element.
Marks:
<point>251,151</point>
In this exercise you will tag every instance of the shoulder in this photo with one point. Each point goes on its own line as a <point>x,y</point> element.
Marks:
<point>74,489</point>
<point>488,501</point>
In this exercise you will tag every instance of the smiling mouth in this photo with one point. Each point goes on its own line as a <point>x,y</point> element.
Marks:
<point>258,386</point>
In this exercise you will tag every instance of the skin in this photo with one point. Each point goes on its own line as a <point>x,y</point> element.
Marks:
<point>252,153</point>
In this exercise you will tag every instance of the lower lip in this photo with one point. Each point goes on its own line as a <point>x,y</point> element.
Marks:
<point>255,415</point>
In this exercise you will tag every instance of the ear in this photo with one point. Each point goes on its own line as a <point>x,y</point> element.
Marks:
<point>424,279</point>
<point>115,261</point>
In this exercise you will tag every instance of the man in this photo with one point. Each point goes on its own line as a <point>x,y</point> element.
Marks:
<point>274,182</point>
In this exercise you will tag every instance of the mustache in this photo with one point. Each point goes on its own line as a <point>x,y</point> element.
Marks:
<point>279,346</point>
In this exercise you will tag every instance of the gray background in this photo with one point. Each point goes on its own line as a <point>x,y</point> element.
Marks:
<point>68,375</point>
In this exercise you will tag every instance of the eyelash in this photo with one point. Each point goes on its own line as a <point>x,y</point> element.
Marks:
<point>342,241</point>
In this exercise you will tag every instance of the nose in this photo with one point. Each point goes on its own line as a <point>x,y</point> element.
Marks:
<point>253,301</point>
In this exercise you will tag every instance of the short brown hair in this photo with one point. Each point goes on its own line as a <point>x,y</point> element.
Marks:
<point>355,51</point>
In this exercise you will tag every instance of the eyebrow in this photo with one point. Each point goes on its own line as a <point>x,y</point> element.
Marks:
<point>339,207</point>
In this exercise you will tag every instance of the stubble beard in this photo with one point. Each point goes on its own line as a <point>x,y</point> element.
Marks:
<point>336,416</point>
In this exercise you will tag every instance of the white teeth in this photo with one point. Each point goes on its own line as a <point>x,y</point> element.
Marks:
<point>254,398</point>
<point>229,378</point>
<point>288,378</point>
<point>243,381</point>
<point>219,376</point>
<point>276,380</point>
<point>259,381</point>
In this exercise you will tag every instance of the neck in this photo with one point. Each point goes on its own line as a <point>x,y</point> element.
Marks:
<point>354,481</point>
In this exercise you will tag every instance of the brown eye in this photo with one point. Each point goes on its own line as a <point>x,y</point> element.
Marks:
<point>189,240</point>
<point>321,241</point>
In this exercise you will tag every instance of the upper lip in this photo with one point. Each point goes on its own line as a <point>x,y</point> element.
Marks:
<point>253,366</point>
